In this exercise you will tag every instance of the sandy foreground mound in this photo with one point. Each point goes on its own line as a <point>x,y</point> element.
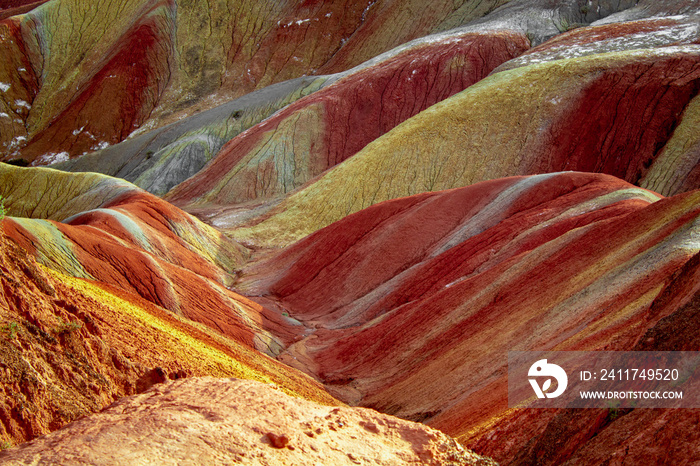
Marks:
<point>214,421</point>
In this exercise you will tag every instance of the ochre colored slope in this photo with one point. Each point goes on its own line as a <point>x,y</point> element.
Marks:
<point>82,76</point>
<point>229,421</point>
<point>609,113</point>
<point>324,129</point>
<point>138,243</point>
<point>414,303</point>
<point>675,168</point>
<point>54,195</point>
<point>70,347</point>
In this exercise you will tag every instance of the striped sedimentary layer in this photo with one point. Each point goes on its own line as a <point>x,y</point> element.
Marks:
<point>588,436</point>
<point>79,76</point>
<point>603,37</point>
<point>136,65</point>
<point>411,262</point>
<point>625,113</point>
<point>95,227</point>
<point>282,153</point>
<point>162,158</point>
<point>343,113</point>
<point>414,303</point>
<point>326,128</point>
<point>70,347</point>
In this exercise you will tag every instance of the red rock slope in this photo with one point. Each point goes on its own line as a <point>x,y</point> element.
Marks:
<point>409,259</point>
<point>641,436</point>
<point>71,90</point>
<point>100,228</point>
<point>222,421</point>
<point>17,7</point>
<point>414,303</point>
<point>627,114</point>
<point>329,126</point>
<point>70,347</point>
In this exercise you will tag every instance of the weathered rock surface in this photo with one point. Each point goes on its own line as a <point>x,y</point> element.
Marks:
<point>142,64</point>
<point>415,302</point>
<point>651,8</point>
<point>650,33</point>
<point>162,158</point>
<point>394,180</point>
<point>75,89</point>
<point>70,347</point>
<point>542,20</point>
<point>215,421</point>
<point>100,228</point>
<point>639,436</point>
<point>308,136</point>
<point>331,125</point>
<point>625,107</point>
<point>145,63</point>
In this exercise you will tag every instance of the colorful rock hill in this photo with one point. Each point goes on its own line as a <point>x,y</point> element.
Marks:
<point>99,228</point>
<point>361,202</point>
<point>160,159</point>
<point>413,304</point>
<point>70,347</point>
<point>302,140</point>
<point>331,125</point>
<point>634,111</point>
<point>143,63</point>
